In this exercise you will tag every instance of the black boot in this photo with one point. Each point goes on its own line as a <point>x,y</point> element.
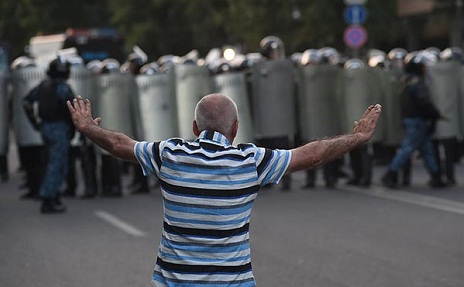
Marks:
<point>310,179</point>
<point>50,206</point>
<point>436,181</point>
<point>390,179</point>
<point>285,183</point>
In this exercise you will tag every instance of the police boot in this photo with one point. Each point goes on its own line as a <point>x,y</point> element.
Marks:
<point>436,182</point>
<point>390,179</point>
<point>50,206</point>
<point>310,179</point>
<point>406,179</point>
<point>366,167</point>
<point>285,183</point>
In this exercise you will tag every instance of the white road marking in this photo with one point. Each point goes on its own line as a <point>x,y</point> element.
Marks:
<point>124,226</point>
<point>412,198</point>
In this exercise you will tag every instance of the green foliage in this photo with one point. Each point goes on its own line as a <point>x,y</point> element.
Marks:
<point>177,26</point>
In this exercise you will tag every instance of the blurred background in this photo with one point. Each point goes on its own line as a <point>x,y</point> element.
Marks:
<point>176,27</point>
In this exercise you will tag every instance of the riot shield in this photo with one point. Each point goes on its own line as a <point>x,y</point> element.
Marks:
<point>157,106</point>
<point>444,82</point>
<point>273,99</point>
<point>83,82</point>
<point>4,112</point>
<point>115,101</point>
<point>391,108</point>
<point>234,85</point>
<point>23,81</point>
<point>318,109</point>
<point>191,84</point>
<point>360,88</point>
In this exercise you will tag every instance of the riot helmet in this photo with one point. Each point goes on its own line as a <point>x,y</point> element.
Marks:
<point>375,52</point>
<point>167,62</point>
<point>378,61</point>
<point>296,58</point>
<point>272,48</point>
<point>433,51</point>
<point>397,54</point>
<point>353,64</point>
<point>416,62</point>
<point>452,54</point>
<point>133,63</point>
<point>59,68</point>
<point>191,58</point>
<point>22,62</point>
<point>94,66</point>
<point>221,66</point>
<point>150,69</point>
<point>328,54</point>
<point>338,60</point>
<point>110,66</point>
<point>311,57</point>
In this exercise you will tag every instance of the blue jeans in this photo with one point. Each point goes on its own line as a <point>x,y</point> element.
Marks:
<point>56,136</point>
<point>417,137</point>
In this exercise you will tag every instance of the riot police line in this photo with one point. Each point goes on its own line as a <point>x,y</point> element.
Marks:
<point>282,101</point>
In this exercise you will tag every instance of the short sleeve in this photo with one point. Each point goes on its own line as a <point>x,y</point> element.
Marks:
<point>148,155</point>
<point>271,164</point>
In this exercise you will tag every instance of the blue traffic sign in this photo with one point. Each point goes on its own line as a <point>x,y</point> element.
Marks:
<point>355,36</point>
<point>355,14</point>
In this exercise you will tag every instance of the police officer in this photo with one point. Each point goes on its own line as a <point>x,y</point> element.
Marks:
<point>56,128</point>
<point>272,49</point>
<point>313,57</point>
<point>418,116</point>
<point>139,185</point>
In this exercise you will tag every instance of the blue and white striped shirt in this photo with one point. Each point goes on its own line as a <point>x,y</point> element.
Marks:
<point>208,188</point>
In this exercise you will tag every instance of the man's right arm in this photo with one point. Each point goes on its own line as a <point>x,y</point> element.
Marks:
<point>320,152</point>
<point>117,144</point>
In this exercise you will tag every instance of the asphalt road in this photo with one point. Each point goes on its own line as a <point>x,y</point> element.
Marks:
<point>342,237</point>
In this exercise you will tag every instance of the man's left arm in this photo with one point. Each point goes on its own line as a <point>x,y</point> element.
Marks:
<point>319,152</point>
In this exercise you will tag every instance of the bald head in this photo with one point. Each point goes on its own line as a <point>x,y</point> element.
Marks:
<point>216,112</point>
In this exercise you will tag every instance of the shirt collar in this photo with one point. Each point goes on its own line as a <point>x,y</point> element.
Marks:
<point>214,136</point>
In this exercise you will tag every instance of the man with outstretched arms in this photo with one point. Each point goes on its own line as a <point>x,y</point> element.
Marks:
<point>209,186</point>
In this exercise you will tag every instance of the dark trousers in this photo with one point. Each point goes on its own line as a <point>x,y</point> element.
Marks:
<point>450,147</point>
<point>361,165</point>
<point>4,174</point>
<point>86,155</point>
<point>33,161</point>
<point>111,171</point>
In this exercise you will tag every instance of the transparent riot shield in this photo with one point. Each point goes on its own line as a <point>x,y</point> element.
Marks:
<point>360,88</point>
<point>157,105</point>
<point>23,81</point>
<point>444,82</point>
<point>83,82</point>
<point>4,112</point>
<point>115,102</point>
<point>234,85</point>
<point>391,108</point>
<point>461,101</point>
<point>318,109</point>
<point>273,99</point>
<point>191,84</point>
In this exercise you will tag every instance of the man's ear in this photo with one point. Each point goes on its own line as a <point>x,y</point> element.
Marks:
<point>234,130</point>
<point>195,129</point>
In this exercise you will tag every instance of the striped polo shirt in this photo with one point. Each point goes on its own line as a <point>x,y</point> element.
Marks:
<point>208,188</point>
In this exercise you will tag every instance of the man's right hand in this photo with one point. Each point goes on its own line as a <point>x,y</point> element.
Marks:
<point>81,114</point>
